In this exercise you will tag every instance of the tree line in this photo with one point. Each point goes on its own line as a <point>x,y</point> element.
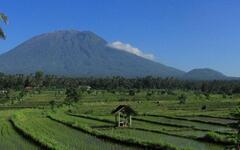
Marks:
<point>39,80</point>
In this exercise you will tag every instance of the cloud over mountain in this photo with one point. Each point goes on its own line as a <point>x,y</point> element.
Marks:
<point>129,48</point>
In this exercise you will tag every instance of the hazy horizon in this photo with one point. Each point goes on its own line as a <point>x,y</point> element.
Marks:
<point>194,34</point>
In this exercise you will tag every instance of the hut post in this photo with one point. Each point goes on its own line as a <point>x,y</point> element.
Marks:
<point>118,119</point>
<point>130,120</point>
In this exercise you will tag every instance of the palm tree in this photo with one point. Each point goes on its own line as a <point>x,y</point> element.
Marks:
<point>4,19</point>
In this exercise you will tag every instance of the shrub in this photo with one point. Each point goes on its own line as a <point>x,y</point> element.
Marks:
<point>217,138</point>
<point>182,99</point>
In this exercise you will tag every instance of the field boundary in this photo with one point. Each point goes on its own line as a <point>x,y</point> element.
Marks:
<point>46,143</point>
<point>90,117</point>
<point>117,139</point>
<point>29,137</point>
<point>193,120</point>
<point>201,139</point>
<point>180,126</point>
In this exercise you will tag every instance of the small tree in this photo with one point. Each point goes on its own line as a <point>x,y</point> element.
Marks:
<point>182,99</point>
<point>131,92</point>
<point>39,80</point>
<point>11,95</point>
<point>207,95</point>
<point>22,93</point>
<point>52,103</point>
<point>224,96</point>
<point>163,92</point>
<point>204,107</point>
<point>72,96</point>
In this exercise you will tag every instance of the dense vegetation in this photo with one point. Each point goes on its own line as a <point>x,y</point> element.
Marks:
<point>39,80</point>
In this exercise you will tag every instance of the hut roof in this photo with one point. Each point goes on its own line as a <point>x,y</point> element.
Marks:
<point>124,109</point>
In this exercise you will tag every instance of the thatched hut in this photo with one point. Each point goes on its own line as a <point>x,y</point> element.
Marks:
<point>123,115</point>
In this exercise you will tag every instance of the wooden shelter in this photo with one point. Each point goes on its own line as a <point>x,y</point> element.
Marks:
<point>123,115</point>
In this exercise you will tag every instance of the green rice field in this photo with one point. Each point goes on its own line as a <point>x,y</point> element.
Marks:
<point>89,124</point>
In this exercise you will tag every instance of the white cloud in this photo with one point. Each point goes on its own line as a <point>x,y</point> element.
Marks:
<point>129,48</point>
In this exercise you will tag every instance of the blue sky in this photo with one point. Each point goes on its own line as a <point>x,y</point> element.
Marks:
<point>185,34</point>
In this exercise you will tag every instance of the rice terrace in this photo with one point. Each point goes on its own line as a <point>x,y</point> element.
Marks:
<point>161,122</point>
<point>69,82</point>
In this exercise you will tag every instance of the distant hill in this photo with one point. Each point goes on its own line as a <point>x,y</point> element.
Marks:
<point>204,74</point>
<point>78,54</point>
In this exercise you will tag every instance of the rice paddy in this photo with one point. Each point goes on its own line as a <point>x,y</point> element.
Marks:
<point>90,125</point>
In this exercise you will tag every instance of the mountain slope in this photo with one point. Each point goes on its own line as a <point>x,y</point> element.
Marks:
<point>204,74</point>
<point>74,53</point>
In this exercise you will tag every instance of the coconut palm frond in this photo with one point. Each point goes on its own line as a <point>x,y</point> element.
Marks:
<point>3,18</point>
<point>2,35</point>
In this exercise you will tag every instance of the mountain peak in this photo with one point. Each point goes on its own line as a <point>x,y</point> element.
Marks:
<point>78,53</point>
<point>206,70</point>
<point>72,34</point>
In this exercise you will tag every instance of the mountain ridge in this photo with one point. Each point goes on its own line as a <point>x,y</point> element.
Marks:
<point>204,74</point>
<point>75,53</point>
<point>84,54</point>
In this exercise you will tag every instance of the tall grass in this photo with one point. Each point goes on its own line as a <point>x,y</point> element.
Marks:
<point>22,123</point>
<point>57,136</point>
<point>9,137</point>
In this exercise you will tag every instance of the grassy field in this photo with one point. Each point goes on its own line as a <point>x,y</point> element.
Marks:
<point>161,123</point>
<point>151,132</point>
<point>207,119</point>
<point>9,137</point>
<point>59,136</point>
<point>162,138</point>
<point>186,123</point>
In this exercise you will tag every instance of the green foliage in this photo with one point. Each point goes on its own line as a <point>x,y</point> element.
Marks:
<point>39,79</point>
<point>207,95</point>
<point>204,107</point>
<point>164,117</point>
<point>181,123</point>
<point>52,103</point>
<point>4,19</point>
<point>121,85</point>
<point>29,129</point>
<point>165,127</point>
<point>131,92</point>
<point>236,115</point>
<point>39,75</point>
<point>9,137</point>
<point>182,99</point>
<point>3,94</point>
<point>21,94</point>
<point>217,138</point>
<point>72,96</point>
<point>122,139</point>
<point>55,135</point>
<point>224,96</point>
